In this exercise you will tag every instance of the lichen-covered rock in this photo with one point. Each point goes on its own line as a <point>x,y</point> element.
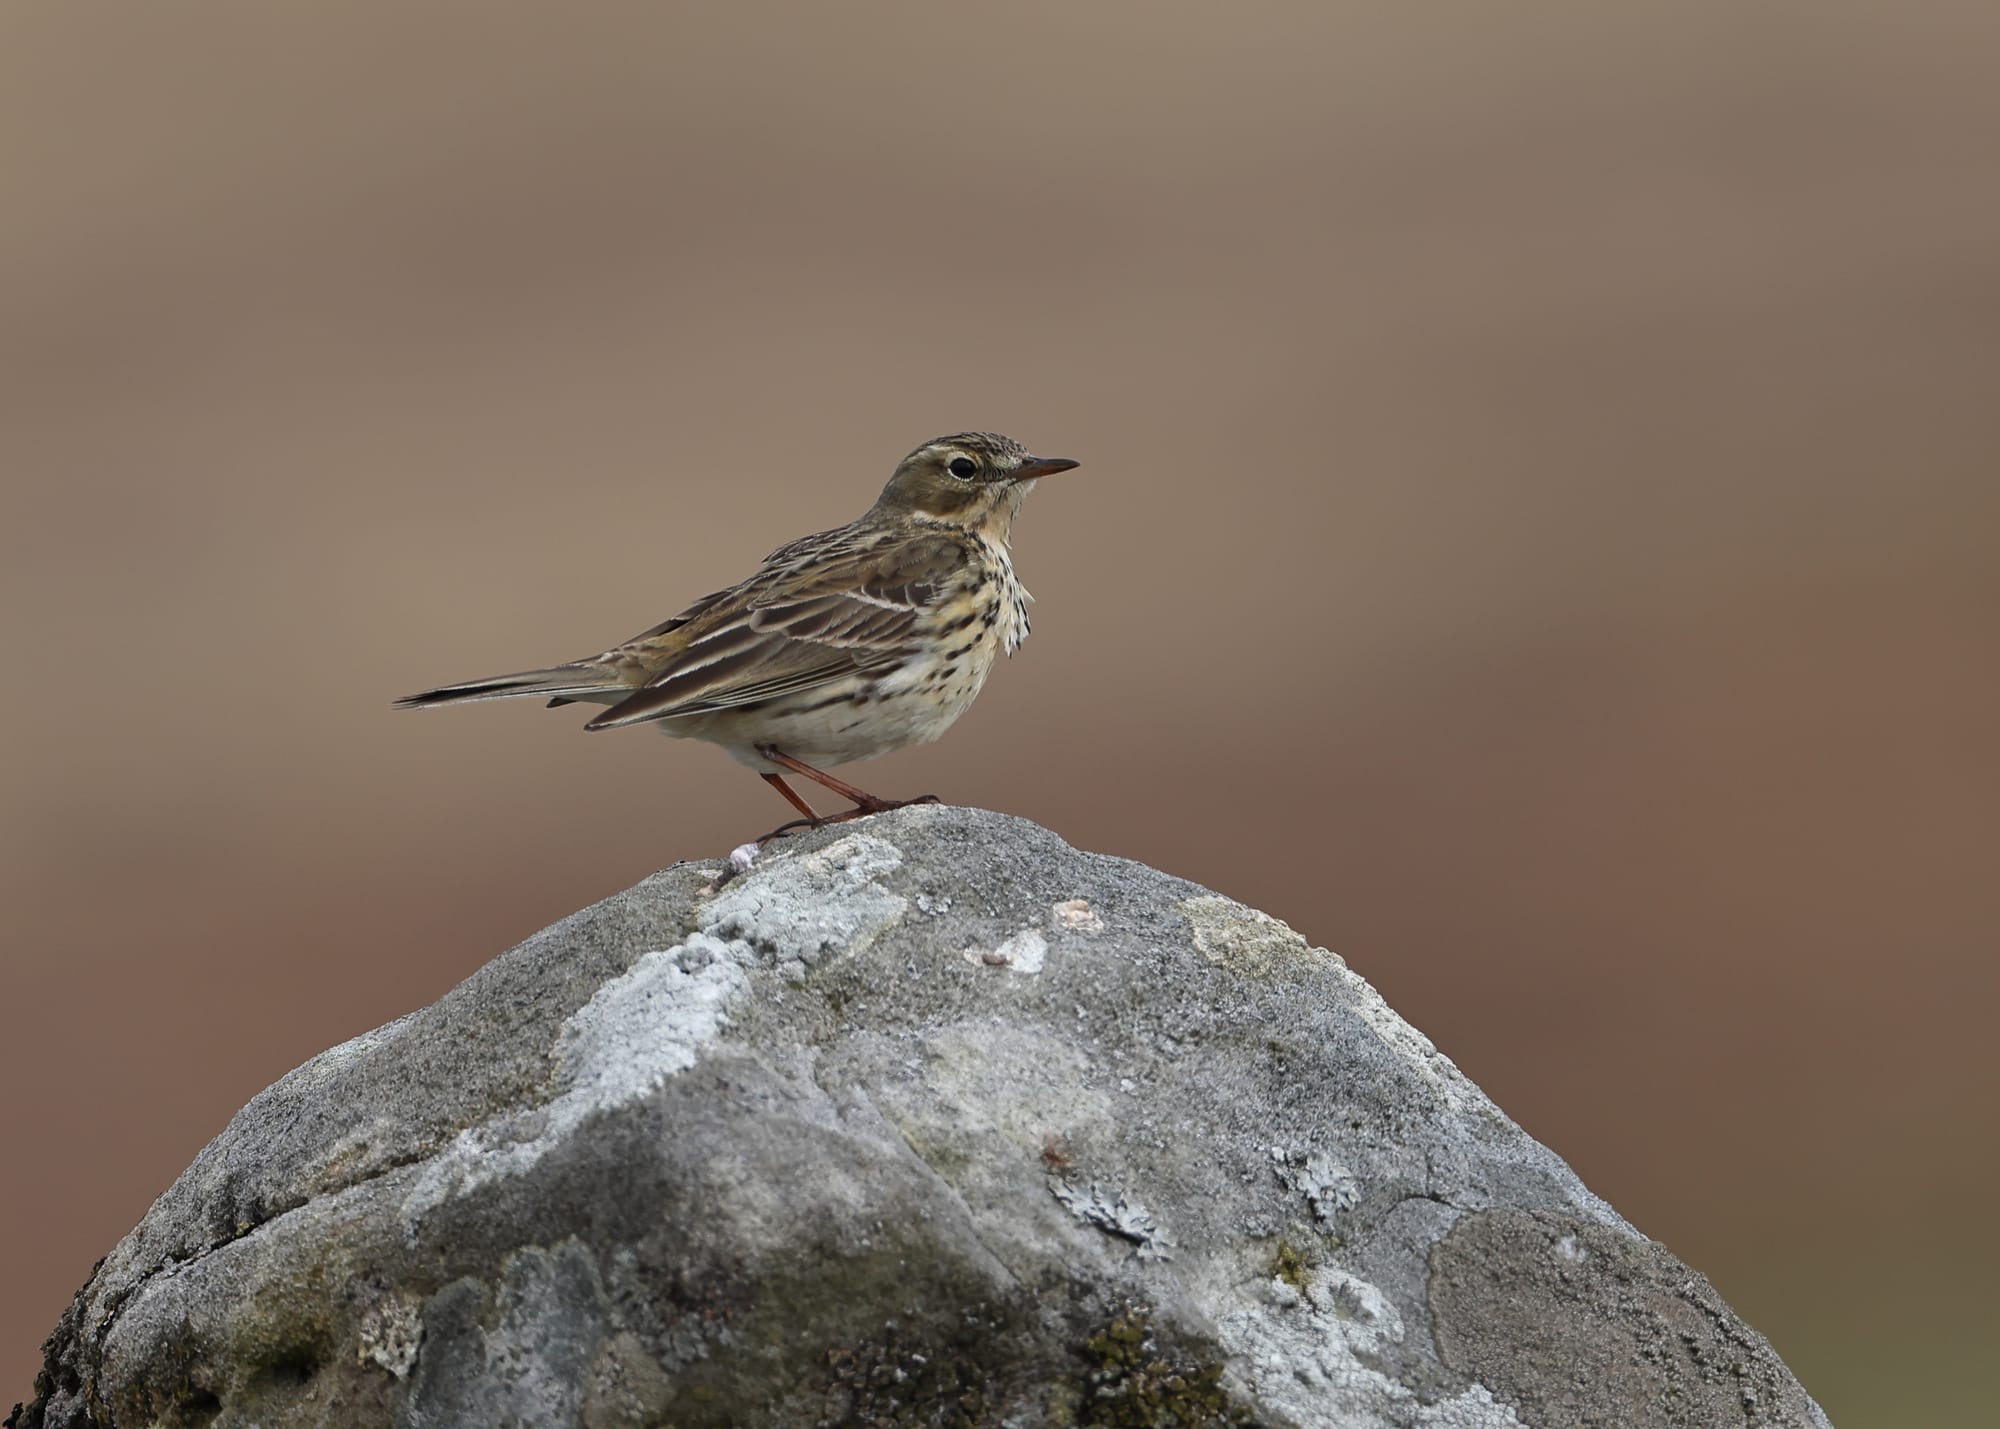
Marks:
<point>928,1120</point>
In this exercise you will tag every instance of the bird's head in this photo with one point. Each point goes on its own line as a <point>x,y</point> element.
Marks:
<point>971,479</point>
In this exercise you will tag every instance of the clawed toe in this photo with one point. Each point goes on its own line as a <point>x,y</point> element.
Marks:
<point>787,830</point>
<point>865,803</point>
<point>859,811</point>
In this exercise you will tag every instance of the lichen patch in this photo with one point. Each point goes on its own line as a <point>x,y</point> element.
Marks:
<point>807,908</point>
<point>652,1022</point>
<point>1313,1346</point>
<point>1328,1186</point>
<point>1114,1213</point>
<point>1242,939</point>
<point>391,1333</point>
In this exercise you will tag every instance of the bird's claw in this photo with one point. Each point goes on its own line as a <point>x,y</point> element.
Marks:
<point>787,830</point>
<point>859,811</point>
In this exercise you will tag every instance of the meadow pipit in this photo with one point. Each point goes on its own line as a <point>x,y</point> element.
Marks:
<point>842,645</point>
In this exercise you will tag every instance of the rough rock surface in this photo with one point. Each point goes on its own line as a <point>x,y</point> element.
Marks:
<point>930,1120</point>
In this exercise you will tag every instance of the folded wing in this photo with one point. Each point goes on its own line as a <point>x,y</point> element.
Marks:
<point>832,614</point>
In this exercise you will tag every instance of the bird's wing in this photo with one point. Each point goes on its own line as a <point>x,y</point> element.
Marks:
<point>675,622</point>
<point>830,612</point>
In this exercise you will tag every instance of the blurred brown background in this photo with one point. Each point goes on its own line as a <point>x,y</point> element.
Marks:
<point>1538,535</point>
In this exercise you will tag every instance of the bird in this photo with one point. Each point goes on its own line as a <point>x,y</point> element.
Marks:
<point>841,646</point>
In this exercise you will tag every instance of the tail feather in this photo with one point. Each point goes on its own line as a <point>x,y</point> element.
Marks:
<point>564,683</point>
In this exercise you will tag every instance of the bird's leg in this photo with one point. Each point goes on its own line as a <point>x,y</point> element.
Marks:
<point>777,781</point>
<point>864,802</point>
<point>810,821</point>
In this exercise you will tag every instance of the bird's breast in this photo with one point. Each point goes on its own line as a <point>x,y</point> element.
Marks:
<point>998,596</point>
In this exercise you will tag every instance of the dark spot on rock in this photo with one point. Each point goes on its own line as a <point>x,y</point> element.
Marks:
<point>293,1365</point>
<point>197,1407</point>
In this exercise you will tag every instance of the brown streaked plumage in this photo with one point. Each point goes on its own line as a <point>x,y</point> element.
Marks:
<point>842,645</point>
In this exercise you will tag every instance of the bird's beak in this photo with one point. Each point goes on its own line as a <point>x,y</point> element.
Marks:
<point>1036,466</point>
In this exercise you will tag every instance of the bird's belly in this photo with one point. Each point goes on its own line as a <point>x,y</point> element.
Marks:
<point>913,704</point>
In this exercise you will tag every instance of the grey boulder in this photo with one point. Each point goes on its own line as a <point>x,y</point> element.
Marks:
<point>926,1120</point>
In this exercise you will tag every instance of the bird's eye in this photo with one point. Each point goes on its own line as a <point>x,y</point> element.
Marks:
<point>962,468</point>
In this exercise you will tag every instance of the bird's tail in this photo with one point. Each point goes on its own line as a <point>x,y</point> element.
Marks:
<point>561,683</point>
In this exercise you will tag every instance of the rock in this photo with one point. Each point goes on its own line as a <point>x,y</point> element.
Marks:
<point>926,1120</point>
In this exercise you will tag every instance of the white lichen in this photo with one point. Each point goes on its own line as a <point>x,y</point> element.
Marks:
<point>1114,1213</point>
<point>1312,1355</point>
<point>1328,1186</point>
<point>391,1333</point>
<point>652,1022</point>
<point>806,908</point>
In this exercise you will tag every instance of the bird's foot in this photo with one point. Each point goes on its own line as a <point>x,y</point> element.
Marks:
<point>787,830</point>
<point>859,811</point>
